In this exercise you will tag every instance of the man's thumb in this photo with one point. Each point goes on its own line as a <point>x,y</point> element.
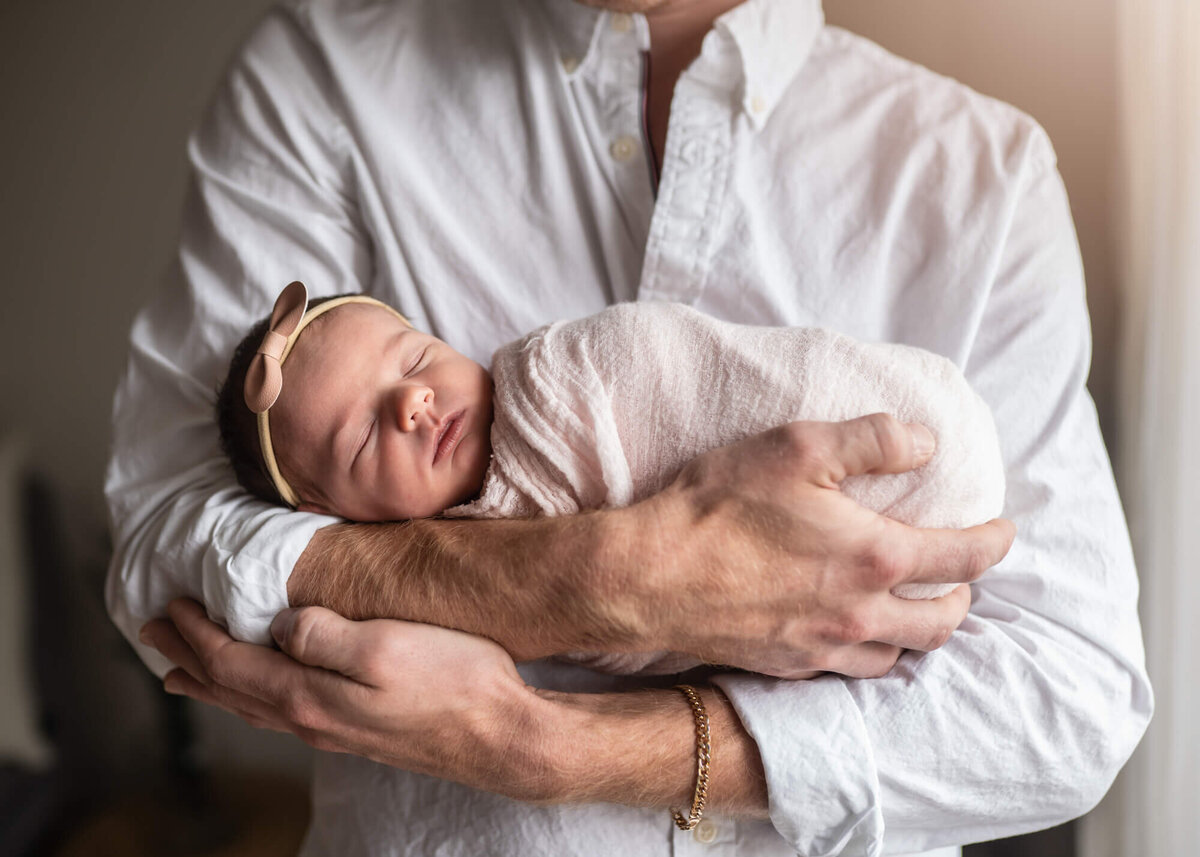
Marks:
<point>318,637</point>
<point>880,443</point>
<point>281,625</point>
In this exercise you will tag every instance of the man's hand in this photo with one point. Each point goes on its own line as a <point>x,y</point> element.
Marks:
<point>414,696</point>
<point>754,557</point>
<point>451,705</point>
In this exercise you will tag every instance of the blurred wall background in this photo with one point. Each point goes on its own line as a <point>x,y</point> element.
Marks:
<point>98,98</point>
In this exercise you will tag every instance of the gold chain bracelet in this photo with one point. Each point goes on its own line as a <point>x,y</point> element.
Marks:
<point>703,757</point>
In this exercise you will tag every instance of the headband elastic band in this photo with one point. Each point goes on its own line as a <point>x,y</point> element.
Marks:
<point>264,379</point>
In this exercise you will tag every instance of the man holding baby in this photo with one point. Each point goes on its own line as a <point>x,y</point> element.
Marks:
<point>490,167</point>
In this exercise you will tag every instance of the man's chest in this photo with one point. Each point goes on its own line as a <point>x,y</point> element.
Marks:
<point>497,203</point>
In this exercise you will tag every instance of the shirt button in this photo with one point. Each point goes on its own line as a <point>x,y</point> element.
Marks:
<point>758,104</point>
<point>622,23</point>
<point>569,64</point>
<point>706,831</point>
<point>623,148</point>
<point>689,152</point>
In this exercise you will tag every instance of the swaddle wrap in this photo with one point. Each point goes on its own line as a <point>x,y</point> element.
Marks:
<point>605,411</point>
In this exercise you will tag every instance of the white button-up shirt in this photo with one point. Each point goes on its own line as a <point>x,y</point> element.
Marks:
<point>482,165</point>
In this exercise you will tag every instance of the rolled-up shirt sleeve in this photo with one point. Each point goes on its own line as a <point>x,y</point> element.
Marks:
<point>268,202</point>
<point>1024,717</point>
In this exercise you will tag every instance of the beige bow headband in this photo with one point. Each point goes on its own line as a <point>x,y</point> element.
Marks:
<point>264,379</point>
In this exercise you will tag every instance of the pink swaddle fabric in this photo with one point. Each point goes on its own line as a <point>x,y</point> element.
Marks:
<point>605,411</point>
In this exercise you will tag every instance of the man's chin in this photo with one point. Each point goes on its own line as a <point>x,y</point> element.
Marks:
<point>629,6</point>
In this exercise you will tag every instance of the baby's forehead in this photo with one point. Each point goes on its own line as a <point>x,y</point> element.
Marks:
<point>334,364</point>
<point>345,334</point>
<point>357,315</point>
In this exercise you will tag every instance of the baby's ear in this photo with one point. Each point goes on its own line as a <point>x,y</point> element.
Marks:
<point>315,508</point>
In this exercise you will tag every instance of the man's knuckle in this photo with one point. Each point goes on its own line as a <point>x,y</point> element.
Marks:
<point>888,433</point>
<point>301,630</point>
<point>937,637</point>
<point>301,713</point>
<point>978,561</point>
<point>858,629</point>
<point>794,434</point>
<point>697,472</point>
<point>806,447</point>
<point>217,664</point>
<point>882,422</point>
<point>848,629</point>
<point>886,660</point>
<point>821,658</point>
<point>941,636</point>
<point>887,567</point>
<point>209,663</point>
<point>814,457</point>
<point>825,633</point>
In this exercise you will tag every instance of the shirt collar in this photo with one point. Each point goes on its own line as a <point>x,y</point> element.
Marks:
<point>575,28</point>
<point>773,38</point>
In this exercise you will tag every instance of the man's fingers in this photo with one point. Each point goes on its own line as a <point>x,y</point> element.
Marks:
<point>877,443</point>
<point>243,668</point>
<point>162,634</point>
<point>321,638</point>
<point>922,625</point>
<point>190,677</point>
<point>958,556</point>
<point>904,624</point>
<point>249,709</point>
<point>865,660</point>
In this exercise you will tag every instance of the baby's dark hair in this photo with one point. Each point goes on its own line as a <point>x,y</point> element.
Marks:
<point>239,425</point>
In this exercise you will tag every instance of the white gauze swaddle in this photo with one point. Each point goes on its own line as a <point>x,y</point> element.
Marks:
<point>605,411</point>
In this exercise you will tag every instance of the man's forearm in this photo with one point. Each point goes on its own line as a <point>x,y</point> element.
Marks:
<point>537,587</point>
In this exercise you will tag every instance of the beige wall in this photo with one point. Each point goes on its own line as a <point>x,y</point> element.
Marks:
<point>97,101</point>
<point>98,98</point>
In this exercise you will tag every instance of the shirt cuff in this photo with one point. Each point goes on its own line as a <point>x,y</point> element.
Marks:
<point>254,561</point>
<point>822,787</point>
<point>240,575</point>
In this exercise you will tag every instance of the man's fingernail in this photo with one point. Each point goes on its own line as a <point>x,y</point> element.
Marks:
<point>279,625</point>
<point>172,685</point>
<point>144,636</point>
<point>923,443</point>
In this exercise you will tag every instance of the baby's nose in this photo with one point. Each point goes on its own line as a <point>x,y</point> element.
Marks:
<point>414,403</point>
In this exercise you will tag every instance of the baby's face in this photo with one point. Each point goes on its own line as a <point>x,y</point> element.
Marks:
<point>380,422</point>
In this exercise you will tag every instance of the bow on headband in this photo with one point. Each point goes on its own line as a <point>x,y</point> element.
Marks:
<point>264,379</point>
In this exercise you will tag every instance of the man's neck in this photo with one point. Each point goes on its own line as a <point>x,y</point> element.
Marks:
<point>677,30</point>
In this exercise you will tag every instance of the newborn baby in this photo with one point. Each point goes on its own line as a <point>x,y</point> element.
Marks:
<point>352,412</point>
